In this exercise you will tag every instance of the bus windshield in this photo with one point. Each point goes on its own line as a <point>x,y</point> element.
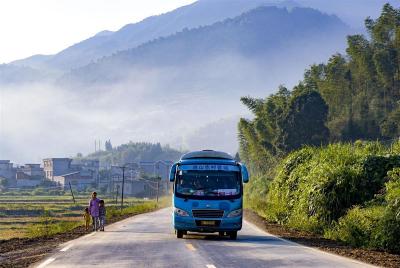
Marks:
<point>214,184</point>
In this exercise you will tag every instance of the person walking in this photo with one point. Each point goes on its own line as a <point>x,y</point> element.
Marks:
<point>102,215</point>
<point>94,210</point>
<point>86,217</point>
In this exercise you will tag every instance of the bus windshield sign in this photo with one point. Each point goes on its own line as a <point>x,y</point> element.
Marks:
<point>211,167</point>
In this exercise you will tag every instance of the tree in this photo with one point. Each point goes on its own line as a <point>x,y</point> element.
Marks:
<point>108,146</point>
<point>304,122</point>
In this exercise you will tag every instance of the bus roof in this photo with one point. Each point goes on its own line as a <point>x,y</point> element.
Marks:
<point>207,154</point>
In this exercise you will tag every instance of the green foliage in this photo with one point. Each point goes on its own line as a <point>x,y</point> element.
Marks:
<point>392,195</point>
<point>283,122</point>
<point>316,186</point>
<point>135,152</point>
<point>346,191</point>
<point>375,227</point>
<point>304,122</point>
<point>48,226</point>
<point>255,193</point>
<point>362,89</point>
<point>358,226</point>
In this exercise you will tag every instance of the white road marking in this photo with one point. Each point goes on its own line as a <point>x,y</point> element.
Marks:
<point>48,261</point>
<point>210,266</point>
<point>67,247</point>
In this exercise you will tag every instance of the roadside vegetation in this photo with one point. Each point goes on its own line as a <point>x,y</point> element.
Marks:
<point>36,216</point>
<point>325,156</point>
<point>347,192</point>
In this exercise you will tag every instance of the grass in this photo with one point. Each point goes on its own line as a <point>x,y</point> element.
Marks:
<point>35,216</point>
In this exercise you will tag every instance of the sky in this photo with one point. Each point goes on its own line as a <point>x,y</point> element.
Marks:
<point>48,26</point>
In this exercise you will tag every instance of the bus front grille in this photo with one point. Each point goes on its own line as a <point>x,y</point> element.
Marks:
<point>208,213</point>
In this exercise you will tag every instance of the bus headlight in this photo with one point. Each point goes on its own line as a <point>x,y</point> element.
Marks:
<point>181,212</point>
<point>235,213</point>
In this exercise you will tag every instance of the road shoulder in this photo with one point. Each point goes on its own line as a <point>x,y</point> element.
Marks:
<point>373,257</point>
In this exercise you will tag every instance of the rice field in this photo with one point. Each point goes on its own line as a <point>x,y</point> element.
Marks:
<point>19,213</point>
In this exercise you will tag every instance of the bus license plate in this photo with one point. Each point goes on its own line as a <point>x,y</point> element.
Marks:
<point>207,223</point>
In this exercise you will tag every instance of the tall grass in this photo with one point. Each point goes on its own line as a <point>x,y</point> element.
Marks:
<point>332,189</point>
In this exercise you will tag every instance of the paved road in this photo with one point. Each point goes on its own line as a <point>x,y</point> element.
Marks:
<point>148,241</point>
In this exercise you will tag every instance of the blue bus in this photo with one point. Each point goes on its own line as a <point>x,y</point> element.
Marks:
<point>208,193</point>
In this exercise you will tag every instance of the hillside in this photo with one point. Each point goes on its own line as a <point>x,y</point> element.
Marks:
<point>134,152</point>
<point>266,37</point>
<point>166,89</point>
<point>105,43</point>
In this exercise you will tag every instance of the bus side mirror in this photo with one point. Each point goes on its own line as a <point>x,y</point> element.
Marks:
<point>245,173</point>
<point>172,172</point>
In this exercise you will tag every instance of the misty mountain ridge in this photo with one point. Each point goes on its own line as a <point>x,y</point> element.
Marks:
<point>266,36</point>
<point>178,89</point>
<point>105,43</point>
<point>200,13</point>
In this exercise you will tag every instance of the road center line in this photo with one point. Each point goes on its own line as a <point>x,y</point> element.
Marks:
<point>190,247</point>
<point>210,266</point>
<point>46,262</point>
<point>67,247</point>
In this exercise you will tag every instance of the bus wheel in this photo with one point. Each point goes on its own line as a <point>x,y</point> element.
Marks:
<point>221,233</point>
<point>233,235</point>
<point>179,233</point>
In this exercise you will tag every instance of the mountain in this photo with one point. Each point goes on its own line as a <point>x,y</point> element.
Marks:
<point>105,43</point>
<point>200,13</point>
<point>164,89</point>
<point>352,12</point>
<point>270,39</point>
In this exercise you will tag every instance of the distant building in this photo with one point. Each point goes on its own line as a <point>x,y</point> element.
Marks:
<point>29,175</point>
<point>80,173</point>
<point>77,180</point>
<point>87,166</point>
<point>33,170</point>
<point>8,172</point>
<point>156,168</point>
<point>56,166</point>
<point>133,186</point>
<point>25,181</point>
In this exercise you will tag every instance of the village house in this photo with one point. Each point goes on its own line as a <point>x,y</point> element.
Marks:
<point>64,171</point>
<point>29,175</point>
<point>133,186</point>
<point>8,172</point>
<point>78,180</point>
<point>156,168</point>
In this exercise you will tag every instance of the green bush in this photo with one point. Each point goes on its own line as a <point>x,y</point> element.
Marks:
<point>392,195</point>
<point>314,187</point>
<point>372,227</point>
<point>255,194</point>
<point>358,227</point>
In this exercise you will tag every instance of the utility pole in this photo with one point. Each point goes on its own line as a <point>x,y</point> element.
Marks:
<point>122,190</point>
<point>70,188</point>
<point>116,196</point>
<point>158,186</point>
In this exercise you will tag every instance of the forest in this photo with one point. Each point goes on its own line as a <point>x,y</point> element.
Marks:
<point>325,155</point>
<point>133,152</point>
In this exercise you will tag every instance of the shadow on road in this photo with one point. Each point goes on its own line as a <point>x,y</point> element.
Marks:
<point>254,239</point>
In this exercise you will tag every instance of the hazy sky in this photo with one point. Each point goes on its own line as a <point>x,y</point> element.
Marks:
<point>30,27</point>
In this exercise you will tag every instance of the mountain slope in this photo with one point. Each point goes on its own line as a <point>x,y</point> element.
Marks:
<point>266,36</point>
<point>203,12</point>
